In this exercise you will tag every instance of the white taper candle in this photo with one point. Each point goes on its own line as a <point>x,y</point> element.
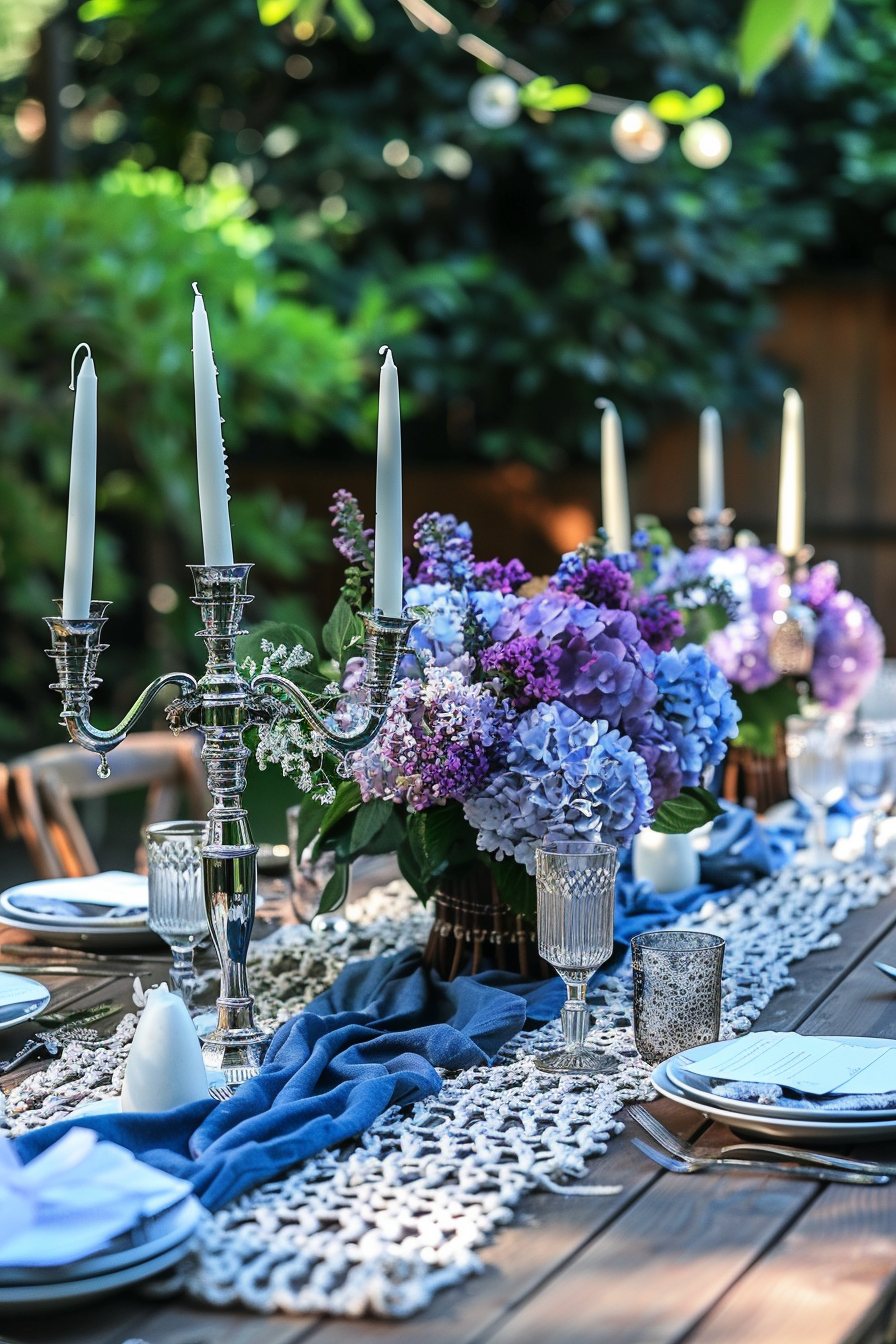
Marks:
<point>792,483</point>
<point>78,580</point>
<point>388,550</point>
<point>711,467</point>
<point>210,458</point>
<point>613,480</point>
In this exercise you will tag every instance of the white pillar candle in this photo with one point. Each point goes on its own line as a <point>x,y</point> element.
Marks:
<point>78,581</point>
<point>388,551</point>
<point>211,462</point>
<point>792,484</point>
<point>711,466</point>
<point>613,480</point>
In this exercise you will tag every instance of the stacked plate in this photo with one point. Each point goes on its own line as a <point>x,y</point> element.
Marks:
<point>753,1119</point>
<point>20,999</point>
<point>106,912</point>
<point>156,1244</point>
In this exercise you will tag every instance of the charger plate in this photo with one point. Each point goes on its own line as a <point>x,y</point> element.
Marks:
<point>746,1124</point>
<point>40,1297</point>
<point>695,1086</point>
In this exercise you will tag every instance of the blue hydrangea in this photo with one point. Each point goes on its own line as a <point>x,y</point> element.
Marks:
<point>441,631</point>
<point>698,708</point>
<point>565,778</point>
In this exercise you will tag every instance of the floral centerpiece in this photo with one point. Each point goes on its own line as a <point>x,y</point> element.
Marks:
<point>528,709</point>
<point>848,642</point>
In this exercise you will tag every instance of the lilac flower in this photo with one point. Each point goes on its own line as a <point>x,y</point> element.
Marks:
<point>565,778</point>
<point>446,547</point>
<point>821,585</point>
<point>441,739</point>
<point>527,672</point>
<point>353,540</point>
<point>599,581</point>
<point>849,649</point>
<point>697,707</point>
<point>659,622</point>
<point>493,576</point>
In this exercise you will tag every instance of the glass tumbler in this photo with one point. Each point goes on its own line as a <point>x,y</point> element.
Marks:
<point>678,991</point>
<point>816,773</point>
<point>176,899</point>
<point>575,881</point>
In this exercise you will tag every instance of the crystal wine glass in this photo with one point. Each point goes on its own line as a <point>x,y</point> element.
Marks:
<point>176,899</point>
<point>575,882</point>
<point>816,773</point>
<point>869,779</point>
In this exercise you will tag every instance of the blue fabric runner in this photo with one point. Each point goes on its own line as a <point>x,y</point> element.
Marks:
<point>371,1041</point>
<point>376,1038</point>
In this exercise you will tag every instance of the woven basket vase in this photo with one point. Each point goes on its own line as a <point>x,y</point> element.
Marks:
<point>473,928</point>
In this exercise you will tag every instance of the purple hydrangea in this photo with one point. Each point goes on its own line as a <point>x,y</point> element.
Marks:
<point>565,778</point>
<point>849,649</point>
<point>441,740</point>
<point>699,711</point>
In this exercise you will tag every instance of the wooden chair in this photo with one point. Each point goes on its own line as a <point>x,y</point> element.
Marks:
<point>37,794</point>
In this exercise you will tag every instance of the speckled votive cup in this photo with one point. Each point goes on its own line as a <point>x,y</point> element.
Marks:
<point>677,991</point>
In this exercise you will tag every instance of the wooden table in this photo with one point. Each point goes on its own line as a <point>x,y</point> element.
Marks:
<point>706,1259</point>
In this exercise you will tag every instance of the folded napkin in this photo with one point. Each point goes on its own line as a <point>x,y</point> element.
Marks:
<point>771,1094</point>
<point>61,897</point>
<point>371,1041</point>
<point>75,1197</point>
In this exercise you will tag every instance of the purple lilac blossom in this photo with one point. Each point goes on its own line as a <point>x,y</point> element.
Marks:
<point>353,540</point>
<point>493,576</point>
<point>599,581</point>
<point>446,547</point>
<point>527,671</point>
<point>441,739</point>
<point>698,709</point>
<point>849,649</point>
<point>565,778</point>
<point>659,622</point>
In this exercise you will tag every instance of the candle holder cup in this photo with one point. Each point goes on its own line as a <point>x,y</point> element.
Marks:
<point>222,704</point>
<point>792,646</point>
<point>714,533</point>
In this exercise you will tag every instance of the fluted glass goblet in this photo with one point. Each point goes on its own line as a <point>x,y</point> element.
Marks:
<point>176,899</point>
<point>575,881</point>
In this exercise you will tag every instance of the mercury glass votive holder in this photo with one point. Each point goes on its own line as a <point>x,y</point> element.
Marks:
<point>677,976</point>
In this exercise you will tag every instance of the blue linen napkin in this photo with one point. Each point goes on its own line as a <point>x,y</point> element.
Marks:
<point>371,1041</point>
<point>740,850</point>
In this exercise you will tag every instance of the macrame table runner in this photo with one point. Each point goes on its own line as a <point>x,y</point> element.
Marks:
<point>382,1225</point>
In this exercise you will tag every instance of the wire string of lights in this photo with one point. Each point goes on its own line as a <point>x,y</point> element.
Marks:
<point>638,134</point>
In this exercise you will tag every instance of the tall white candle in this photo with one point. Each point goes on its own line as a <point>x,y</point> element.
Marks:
<point>613,480</point>
<point>211,462</point>
<point>792,484</point>
<point>711,466</point>
<point>388,551</point>
<point>78,581</point>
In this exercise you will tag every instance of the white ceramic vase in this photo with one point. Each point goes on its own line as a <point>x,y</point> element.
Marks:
<point>669,862</point>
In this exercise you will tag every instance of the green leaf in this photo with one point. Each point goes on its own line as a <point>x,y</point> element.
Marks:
<point>336,890</point>
<point>348,797</point>
<point>515,886</point>
<point>356,18</point>
<point>311,814</point>
<point>412,872</point>
<point>441,838</point>
<point>768,29</point>
<point>545,95</point>
<point>761,712</point>
<point>341,631</point>
<point>272,12</point>
<point>100,9</point>
<point>692,808</point>
<point>677,107</point>
<point>390,837</point>
<point>369,820</point>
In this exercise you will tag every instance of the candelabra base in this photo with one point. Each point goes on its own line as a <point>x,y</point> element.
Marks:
<point>237,1050</point>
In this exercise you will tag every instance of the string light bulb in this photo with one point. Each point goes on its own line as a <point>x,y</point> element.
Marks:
<point>706,143</point>
<point>638,135</point>
<point>494,101</point>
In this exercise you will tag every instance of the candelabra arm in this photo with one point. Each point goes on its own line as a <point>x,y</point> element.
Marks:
<point>75,649</point>
<point>385,644</point>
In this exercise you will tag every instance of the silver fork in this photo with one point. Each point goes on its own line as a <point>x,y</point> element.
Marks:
<point>682,1148</point>
<point>686,1165</point>
<point>220,1091</point>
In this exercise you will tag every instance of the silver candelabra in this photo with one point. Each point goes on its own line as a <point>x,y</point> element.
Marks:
<point>222,705</point>
<point>792,645</point>
<point>712,532</point>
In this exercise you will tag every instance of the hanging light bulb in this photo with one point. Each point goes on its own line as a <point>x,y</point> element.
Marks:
<point>494,101</point>
<point>637,134</point>
<point>706,143</point>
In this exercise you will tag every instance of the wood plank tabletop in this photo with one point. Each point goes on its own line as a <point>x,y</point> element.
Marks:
<point>714,1258</point>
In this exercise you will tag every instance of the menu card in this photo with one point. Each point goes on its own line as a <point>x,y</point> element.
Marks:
<point>814,1064</point>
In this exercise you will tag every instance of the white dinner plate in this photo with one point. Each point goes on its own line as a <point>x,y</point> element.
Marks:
<point>104,937</point>
<point>152,1238</point>
<point>698,1087</point>
<point>25,998</point>
<point>806,1131</point>
<point>69,900</point>
<point>39,1297</point>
